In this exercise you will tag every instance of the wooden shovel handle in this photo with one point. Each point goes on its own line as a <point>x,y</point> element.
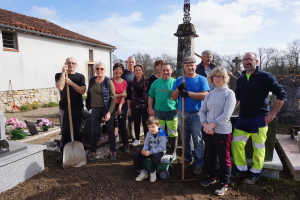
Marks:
<point>70,111</point>
<point>182,131</point>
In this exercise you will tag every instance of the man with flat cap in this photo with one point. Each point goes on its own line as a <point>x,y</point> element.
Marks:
<point>193,88</point>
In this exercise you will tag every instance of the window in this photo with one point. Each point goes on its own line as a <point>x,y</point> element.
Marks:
<point>90,71</point>
<point>9,40</point>
<point>91,55</point>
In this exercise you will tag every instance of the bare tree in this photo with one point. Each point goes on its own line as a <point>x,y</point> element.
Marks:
<point>169,59</point>
<point>294,52</point>
<point>146,61</point>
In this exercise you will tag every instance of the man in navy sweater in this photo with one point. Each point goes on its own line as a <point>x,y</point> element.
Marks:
<point>252,90</point>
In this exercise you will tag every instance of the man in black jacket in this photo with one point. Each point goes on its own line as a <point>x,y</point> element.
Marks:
<point>206,66</point>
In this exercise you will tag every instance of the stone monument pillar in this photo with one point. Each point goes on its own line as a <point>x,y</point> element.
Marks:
<point>185,33</point>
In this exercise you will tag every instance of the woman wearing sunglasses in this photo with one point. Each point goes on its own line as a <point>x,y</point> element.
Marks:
<point>101,99</point>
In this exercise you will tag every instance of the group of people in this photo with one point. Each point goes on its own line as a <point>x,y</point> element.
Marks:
<point>199,104</point>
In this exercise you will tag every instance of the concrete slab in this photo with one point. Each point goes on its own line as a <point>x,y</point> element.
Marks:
<point>14,148</point>
<point>290,148</point>
<point>21,165</point>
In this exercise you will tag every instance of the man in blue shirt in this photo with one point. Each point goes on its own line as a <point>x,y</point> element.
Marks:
<point>193,90</point>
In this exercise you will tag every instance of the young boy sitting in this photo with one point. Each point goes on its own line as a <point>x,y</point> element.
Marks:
<point>154,148</point>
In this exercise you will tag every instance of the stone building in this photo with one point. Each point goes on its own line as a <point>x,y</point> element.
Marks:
<point>34,50</point>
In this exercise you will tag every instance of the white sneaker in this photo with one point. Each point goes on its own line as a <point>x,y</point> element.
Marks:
<point>136,143</point>
<point>143,175</point>
<point>153,177</point>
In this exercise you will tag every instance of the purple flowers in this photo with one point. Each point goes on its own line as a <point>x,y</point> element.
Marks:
<point>16,123</point>
<point>44,124</point>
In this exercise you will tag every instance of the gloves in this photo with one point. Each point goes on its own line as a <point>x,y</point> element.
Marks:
<point>184,93</point>
<point>182,86</point>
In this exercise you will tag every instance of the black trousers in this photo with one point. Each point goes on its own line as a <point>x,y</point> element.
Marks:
<point>122,125</point>
<point>139,115</point>
<point>96,130</point>
<point>139,158</point>
<point>218,145</point>
<point>77,117</point>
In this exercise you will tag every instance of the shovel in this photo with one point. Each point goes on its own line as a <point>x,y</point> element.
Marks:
<point>74,154</point>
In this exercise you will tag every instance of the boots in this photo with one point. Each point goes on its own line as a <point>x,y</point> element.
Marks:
<point>173,142</point>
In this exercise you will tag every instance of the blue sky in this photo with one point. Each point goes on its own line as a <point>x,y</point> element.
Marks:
<point>148,26</point>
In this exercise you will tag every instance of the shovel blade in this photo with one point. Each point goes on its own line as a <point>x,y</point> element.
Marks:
<point>74,155</point>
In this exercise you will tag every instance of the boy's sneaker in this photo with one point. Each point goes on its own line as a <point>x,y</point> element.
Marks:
<point>207,181</point>
<point>153,177</point>
<point>143,175</point>
<point>251,179</point>
<point>136,143</point>
<point>221,189</point>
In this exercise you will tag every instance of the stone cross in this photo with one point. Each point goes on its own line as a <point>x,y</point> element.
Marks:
<point>237,63</point>
<point>2,127</point>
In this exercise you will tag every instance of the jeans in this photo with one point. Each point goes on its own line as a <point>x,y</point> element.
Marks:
<point>192,128</point>
<point>96,118</point>
<point>77,116</point>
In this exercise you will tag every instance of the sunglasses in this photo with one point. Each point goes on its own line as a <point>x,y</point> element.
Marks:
<point>71,63</point>
<point>102,69</point>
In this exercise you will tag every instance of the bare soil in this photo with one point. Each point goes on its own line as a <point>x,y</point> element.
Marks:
<point>102,179</point>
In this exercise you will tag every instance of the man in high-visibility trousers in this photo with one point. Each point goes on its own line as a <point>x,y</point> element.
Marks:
<point>252,91</point>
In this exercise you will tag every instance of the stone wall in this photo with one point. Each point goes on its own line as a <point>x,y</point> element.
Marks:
<point>290,112</point>
<point>21,97</point>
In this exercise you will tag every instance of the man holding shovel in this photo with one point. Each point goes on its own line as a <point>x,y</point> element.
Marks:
<point>193,88</point>
<point>76,83</point>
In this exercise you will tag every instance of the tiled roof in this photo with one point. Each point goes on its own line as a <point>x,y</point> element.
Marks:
<point>41,25</point>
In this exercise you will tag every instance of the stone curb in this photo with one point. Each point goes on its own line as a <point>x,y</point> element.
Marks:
<point>53,131</point>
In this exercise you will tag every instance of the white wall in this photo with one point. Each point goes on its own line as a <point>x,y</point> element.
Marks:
<point>40,58</point>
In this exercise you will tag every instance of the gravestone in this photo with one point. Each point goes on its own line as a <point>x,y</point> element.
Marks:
<point>31,127</point>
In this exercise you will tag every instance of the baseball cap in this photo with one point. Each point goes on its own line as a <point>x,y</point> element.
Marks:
<point>189,59</point>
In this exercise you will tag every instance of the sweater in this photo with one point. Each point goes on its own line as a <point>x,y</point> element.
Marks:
<point>217,108</point>
<point>156,144</point>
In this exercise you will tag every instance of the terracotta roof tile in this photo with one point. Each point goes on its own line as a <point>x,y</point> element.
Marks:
<point>44,26</point>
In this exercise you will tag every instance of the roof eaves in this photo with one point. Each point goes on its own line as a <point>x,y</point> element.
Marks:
<point>112,48</point>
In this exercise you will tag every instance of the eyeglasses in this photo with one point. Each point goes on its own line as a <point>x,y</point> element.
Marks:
<point>248,59</point>
<point>71,63</point>
<point>102,69</point>
<point>218,77</point>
